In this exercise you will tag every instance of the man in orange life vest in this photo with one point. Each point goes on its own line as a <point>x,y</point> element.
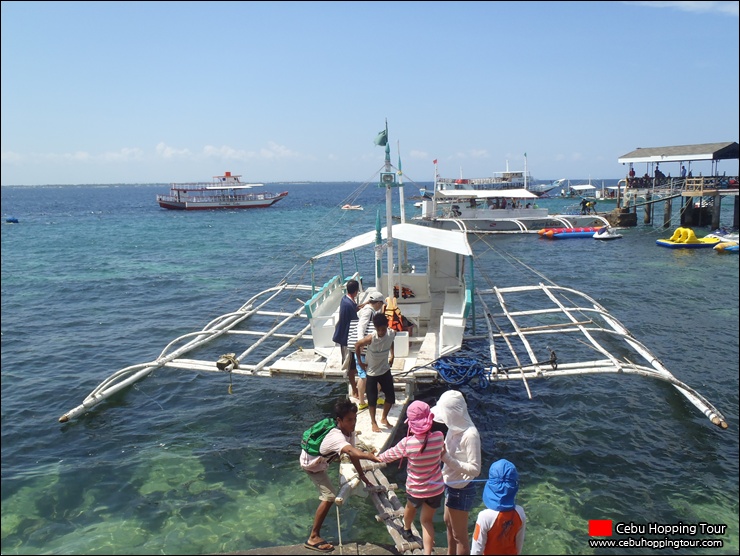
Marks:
<point>500,528</point>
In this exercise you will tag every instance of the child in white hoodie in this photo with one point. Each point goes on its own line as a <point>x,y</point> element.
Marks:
<point>462,464</point>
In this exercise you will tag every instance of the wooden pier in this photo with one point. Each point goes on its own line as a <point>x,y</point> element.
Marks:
<point>701,202</point>
<point>701,197</point>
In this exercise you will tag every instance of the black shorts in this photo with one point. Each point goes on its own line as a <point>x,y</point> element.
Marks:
<point>435,501</point>
<point>386,384</point>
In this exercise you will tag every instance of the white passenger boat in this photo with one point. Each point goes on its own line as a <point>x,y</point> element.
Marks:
<point>496,211</point>
<point>224,192</point>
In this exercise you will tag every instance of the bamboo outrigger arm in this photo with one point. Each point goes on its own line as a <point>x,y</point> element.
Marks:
<point>585,321</point>
<point>125,377</point>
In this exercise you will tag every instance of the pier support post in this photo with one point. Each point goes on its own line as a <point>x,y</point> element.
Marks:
<point>667,210</point>
<point>716,209</point>
<point>687,214</point>
<point>648,209</point>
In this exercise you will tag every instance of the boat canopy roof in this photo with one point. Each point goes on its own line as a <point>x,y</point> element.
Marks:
<point>201,186</point>
<point>683,153</point>
<point>238,186</point>
<point>488,193</point>
<point>582,187</point>
<point>445,240</point>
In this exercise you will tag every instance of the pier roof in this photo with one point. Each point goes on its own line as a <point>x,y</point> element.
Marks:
<point>683,153</point>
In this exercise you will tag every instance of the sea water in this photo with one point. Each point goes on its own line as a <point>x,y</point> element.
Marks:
<point>97,278</point>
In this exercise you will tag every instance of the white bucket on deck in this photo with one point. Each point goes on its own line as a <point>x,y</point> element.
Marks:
<point>401,344</point>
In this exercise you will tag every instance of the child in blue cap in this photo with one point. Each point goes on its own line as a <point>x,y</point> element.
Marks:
<point>500,528</point>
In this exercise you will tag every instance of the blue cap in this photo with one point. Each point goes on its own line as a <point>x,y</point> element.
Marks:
<point>502,486</point>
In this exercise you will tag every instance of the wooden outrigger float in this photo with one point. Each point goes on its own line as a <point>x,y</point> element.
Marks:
<point>286,332</point>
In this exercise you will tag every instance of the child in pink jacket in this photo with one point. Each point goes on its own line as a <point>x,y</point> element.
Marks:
<point>424,484</point>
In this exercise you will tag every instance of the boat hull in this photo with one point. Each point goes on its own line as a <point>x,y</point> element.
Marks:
<point>522,224</point>
<point>607,236</point>
<point>260,202</point>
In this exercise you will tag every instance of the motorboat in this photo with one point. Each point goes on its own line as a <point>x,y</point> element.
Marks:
<point>224,192</point>
<point>606,233</point>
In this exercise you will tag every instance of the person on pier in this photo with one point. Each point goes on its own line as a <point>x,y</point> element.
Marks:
<point>461,465</point>
<point>424,484</point>
<point>501,526</point>
<point>338,441</point>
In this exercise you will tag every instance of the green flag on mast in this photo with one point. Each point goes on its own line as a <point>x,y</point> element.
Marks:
<point>382,139</point>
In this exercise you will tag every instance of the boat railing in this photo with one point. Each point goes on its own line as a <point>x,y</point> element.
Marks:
<point>709,185</point>
<point>456,307</point>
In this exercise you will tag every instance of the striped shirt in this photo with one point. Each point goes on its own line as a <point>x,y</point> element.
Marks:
<point>424,473</point>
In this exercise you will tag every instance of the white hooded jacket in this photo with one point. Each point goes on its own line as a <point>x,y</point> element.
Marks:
<point>462,459</point>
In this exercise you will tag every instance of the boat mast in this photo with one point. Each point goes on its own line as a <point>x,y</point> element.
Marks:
<point>525,170</point>
<point>402,251</point>
<point>389,179</point>
<point>434,194</point>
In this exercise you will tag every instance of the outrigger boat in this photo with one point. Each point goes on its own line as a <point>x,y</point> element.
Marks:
<point>286,331</point>
<point>467,205</point>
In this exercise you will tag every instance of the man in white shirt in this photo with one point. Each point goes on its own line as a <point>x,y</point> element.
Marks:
<point>338,441</point>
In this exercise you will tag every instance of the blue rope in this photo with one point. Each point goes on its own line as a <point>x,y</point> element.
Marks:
<point>460,371</point>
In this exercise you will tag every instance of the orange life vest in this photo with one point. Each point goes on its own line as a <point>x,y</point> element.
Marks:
<point>393,314</point>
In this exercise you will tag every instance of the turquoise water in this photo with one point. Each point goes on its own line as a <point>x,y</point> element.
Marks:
<point>96,278</point>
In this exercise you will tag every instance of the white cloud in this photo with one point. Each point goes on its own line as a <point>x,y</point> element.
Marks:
<point>728,8</point>
<point>78,156</point>
<point>126,154</point>
<point>273,151</point>
<point>473,153</point>
<point>165,151</point>
<point>421,155</point>
<point>10,157</point>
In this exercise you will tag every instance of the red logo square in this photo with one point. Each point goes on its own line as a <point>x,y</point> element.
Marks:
<point>599,527</point>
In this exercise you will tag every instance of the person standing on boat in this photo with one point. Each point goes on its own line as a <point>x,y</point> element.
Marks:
<point>373,305</point>
<point>424,487</point>
<point>377,365</point>
<point>347,313</point>
<point>501,527</point>
<point>462,464</point>
<point>340,440</point>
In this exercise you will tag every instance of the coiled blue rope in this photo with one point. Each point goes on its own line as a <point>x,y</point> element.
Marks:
<point>459,371</point>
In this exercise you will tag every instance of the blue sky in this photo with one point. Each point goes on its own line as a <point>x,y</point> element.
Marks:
<point>150,92</point>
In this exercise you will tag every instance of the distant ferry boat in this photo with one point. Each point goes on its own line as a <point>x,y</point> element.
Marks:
<point>225,192</point>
